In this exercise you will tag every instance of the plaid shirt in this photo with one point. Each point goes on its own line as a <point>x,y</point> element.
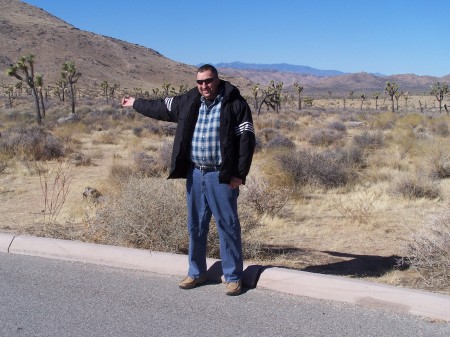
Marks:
<point>205,149</point>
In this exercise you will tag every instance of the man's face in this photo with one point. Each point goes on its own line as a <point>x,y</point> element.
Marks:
<point>208,84</point>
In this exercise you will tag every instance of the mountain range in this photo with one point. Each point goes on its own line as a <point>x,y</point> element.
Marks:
<point>26,29</point>
<point>281,67</point>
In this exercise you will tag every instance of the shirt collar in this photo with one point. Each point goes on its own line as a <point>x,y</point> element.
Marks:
<point>218,98</point>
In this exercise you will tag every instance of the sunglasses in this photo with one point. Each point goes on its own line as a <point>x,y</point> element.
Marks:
<point>207,81</point>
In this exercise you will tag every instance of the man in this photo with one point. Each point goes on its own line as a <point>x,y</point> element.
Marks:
<point>213,150</point>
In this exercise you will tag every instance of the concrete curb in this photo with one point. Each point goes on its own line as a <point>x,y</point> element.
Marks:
<point>325,287</point>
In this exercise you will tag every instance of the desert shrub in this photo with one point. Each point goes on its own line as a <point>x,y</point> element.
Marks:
<point>428,251</point>
<point>33,143</point>
<point>441,129</point>
<point>106,137</point>
<point>325,137</point>
<point>280,141</point>
<point>338,126</point>
<point>369,140</point>
<point>168,129</point>
<point>352,157</point>
<point>286,125</point>
<point>349,117</point>
<point>165,156</point>
<point>384,120</point>
<point>438,156</point>
<point>4,163</point>
<point>151,213</point>
<point>80,159</point>
<point>326,169</point>
<point>262,198</point>
<point>146,165</point>
<point>258,144</point>
<point>120,173</point>
<point>416,187</point>
<point>147,213</point>
<point>410,121</point>
<point>267,134</point>
<point>355,156</point>
<point>137,131</point>
<point>152,126</point>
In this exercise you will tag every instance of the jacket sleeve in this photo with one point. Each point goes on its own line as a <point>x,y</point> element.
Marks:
<point>245,133</point>
<point>161,109</point>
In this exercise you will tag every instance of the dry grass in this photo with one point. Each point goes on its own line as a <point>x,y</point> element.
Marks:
<point>331,190</point>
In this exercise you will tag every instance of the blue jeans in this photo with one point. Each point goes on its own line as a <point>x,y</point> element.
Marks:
<point>206,197</point>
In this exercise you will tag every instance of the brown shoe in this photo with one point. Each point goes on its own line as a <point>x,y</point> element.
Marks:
<point>234,288</point>
<point>190,282</point>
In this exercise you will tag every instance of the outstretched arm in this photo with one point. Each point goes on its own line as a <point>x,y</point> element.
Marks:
<point>128,101</point>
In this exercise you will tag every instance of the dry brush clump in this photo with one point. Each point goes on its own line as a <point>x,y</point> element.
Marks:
<point>327,169</point>
<point>33,143</point>
<point>416,186</point>
<point>428,251</point>
<point>145,213</point>
<point>151,213</point>
<point>326,137</point>
<point>263,198</point>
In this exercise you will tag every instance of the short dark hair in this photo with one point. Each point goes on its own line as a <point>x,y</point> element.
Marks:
<point>209,67</point>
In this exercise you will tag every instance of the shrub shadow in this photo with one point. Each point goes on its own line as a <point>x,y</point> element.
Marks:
<point>344,264</point>
<point>357,265</point>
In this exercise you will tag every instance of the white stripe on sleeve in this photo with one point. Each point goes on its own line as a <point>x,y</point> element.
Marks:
<point>246,126</point>
<point>168,101</point>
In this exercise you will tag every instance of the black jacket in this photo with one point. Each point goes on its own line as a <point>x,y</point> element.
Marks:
<point>237,137</point>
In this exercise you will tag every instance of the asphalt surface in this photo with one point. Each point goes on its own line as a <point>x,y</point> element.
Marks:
<point>48,297</point>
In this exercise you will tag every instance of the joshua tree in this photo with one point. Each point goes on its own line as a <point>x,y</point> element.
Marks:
<point>19,87</point>
<point>272,96</point>
<point>9,91</point>
<point>155,92</point>
<point>376,96</point>
<point>60,89</point>
<point>25,65</point>
<point>439,90</point>
<point>299,89</point>
<point>329,93</point>
<point>309,101</point>
<point>39,84</point>
<point>71,75</point>
<point>112,89</point>
<point>138,92</point>
<point>182,89</point>
<point>255,90</point>
<point>397,97</point>
<point>406,97</point>
<point>363,98</point>
<point>351,95</point>
<point>166,87</point>
<point>391,88</point>
<point>105,87</point>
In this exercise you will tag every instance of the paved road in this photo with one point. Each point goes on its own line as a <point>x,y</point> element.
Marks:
<point>45,297</point>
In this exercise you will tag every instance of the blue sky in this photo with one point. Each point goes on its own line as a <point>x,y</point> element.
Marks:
<point>384,36</point>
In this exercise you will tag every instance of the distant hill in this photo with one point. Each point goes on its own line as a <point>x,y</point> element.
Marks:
<point>341,84</point>
<point>26,29</point>
<point>281,67</point>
